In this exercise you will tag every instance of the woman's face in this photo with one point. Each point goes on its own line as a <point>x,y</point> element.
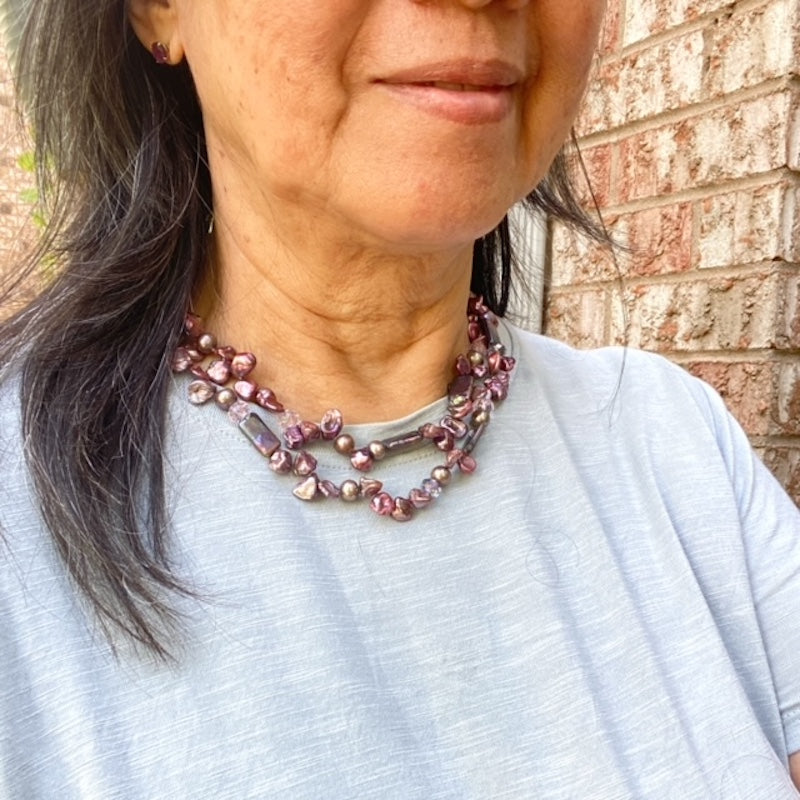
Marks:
<point>412,122</point>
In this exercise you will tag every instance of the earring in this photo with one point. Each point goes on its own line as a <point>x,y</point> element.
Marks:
<point>160,52</point>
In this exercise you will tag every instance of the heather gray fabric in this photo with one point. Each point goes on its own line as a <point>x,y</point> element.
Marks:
<point>607,609</point>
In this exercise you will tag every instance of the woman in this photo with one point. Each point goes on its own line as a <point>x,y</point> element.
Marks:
<point>607,608</point>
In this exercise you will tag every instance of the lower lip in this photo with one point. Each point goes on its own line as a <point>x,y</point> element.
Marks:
<point>467,107</point>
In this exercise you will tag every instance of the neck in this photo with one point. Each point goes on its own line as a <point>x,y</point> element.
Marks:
<point>334,324</point>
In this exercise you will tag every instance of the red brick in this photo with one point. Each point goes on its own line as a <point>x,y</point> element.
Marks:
<point>577,317</point>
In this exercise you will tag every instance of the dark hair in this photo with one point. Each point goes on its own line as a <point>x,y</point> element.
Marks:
<point>123,178</point>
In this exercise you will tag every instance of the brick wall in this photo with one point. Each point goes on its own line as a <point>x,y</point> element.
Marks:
<point>691,133</point>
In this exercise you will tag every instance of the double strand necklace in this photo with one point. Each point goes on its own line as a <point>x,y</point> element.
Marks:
<point>482,375</point>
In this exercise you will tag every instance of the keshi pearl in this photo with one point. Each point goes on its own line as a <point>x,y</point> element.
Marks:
<point>457,427</point>
<point>195,355</point>
<point>245,389</point>
<point>328,489</point>
<point>181,360</point>
<point>200,392</point>
<point>444,441</point>
<point>304,464</point>
<point>290,419</point>
<point>459,412</point>
<point>344,443</point>
<point>403,509</point>
<point>454,456</point>
<point>307,489</point>
<point>331,424</point>
<point>206,343</point>
<point>226,353</point>
<point>382,504</point>
<point>377,450</point>
<point>463,366</point>
<point>242,364</point>
<point>467,464</point>
<point>225,398</point>
<point>509,363</point>
<point>294,438</point>
<point>495,362</point>
<point>266,399</point>
<point>310,431</point>
<point>193,325</point>
<point>419,498</point>
<point>281,462</point>
<point>349,491</point>
<point>441,475</point>
<point>219,371</point>
<point>430,431</point>
<point>198,372</point>
<point>459,390</point>
<point>370,487</point>
<point>362,460</point>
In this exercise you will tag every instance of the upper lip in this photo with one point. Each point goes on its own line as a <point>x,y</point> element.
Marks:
<point>471,72</point>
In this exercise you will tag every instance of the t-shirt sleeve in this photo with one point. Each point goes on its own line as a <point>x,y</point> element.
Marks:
<point>771,535</point>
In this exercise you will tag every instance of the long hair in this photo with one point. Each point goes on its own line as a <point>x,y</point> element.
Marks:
<point>123,178</point>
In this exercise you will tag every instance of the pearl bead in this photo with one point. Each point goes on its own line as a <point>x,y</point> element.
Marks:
<point>480,418</point>
<point>348,491</point>
<point>344,444</point>
<point>377,450</point>
<point>226,398</point>
<point>442,475</point>
<point>207,343</point>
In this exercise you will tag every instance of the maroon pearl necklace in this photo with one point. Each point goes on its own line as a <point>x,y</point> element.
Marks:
<point>482,377</point>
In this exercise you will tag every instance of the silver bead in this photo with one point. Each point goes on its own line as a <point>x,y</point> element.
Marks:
<point>377,450</point>
<point>344,444</point>
<point>349,490</point>
<point>441,475</point>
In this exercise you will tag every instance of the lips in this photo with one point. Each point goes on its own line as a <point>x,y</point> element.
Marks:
<point>465,91</point>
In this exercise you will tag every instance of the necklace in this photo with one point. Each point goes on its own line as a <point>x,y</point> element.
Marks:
<point>482,376</point>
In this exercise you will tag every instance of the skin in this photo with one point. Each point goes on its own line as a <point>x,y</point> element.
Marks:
<point>344,214</point>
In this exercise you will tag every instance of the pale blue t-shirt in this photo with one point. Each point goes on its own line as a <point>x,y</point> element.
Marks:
<point>608,608</point>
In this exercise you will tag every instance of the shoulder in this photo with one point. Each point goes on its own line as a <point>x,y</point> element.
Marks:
<point>619,380</point>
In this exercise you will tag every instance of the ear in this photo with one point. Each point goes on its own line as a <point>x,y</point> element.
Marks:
<point>157,21</point>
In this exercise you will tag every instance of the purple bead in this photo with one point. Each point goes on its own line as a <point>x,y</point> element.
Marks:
<point>458,391</point>
<point>181,360</point>
<point>328,489</point>
<point>431,487</point>
<point>206,343</point>
<point>266,399</point>
<point>331,424</point>
<point>200,392</point>
<point>419,498</point>
<point>281,462</point>
<point>403,509</point>
<point>311,431</point>
<point>480,371</point>
<point>195,355</point>
<point>304,464</point>
<point>238,412</point>
<point>242,364</point>
<point>306,489</point>
<point>467,464</point>
<point>362,460</point>
<point>431,431</point>
<point>293,437</point>
<point>225,398</point>
<point>454,456</point>
<point>382,504</point>
<point>463,367</point>
<point>495,362</point>
<point>246,390</point>
<point>262,438</point>
<point>444,441</point>
<point>498,389</point>
<point>508,363</point>
<point>456,426</point>
<point>198,372</point>
<point>459,412</point>
<point>193,325</point>
<point>219,371</point>
<point>370,487</point>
